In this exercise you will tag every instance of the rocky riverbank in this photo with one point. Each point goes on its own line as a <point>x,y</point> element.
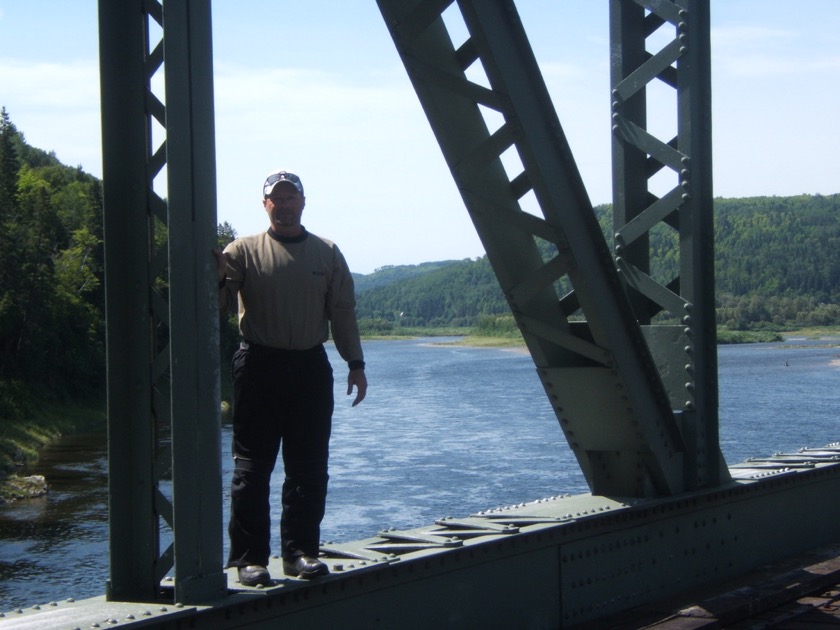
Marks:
<point>14,488</point>
<point>21,440</point>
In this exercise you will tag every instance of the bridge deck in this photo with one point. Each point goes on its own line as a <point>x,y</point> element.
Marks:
<point>682,562</point>
<point>800,593</point>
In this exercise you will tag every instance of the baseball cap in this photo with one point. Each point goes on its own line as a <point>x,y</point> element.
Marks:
<point>281,176</point>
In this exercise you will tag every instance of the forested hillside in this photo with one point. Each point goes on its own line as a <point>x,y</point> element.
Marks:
<point>395,273</point>
<point>51,290</point>
<point>777,261</point>
<point>454,295</point>
<point>777,266</point>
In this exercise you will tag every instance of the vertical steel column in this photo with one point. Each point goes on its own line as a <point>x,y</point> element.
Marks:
<point>686,352</point>
<point>193,301</point>
<point>131,436</point>
<point>694,94</point>
<point>163,376</point>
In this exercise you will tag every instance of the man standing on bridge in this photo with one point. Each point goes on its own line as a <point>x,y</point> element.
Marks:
<point>293,287</point>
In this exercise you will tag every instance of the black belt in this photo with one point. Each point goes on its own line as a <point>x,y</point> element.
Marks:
<point>255,347</point>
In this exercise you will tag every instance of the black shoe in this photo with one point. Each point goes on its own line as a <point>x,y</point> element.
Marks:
<point>254,575</point>
<point>304,567</point>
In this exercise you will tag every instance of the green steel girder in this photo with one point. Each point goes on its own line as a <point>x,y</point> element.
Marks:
<point>128,278</point>
<point>622,407</point>
<point>565,561</point>
<point>686,353</point>
<point>163,413</point>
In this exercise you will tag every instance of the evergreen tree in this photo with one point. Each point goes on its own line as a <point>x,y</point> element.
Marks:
<point>9,166</point>
<point>51,297</point>
<point>225,234</point>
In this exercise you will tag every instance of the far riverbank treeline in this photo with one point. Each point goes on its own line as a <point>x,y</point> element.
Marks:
<point>777,268</point>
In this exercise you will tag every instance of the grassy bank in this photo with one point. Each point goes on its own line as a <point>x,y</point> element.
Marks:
<point>815,332</point>
<point>513,339</point>
<point>725,336</point>
<point>22,437</point>
<point>480,341</point>
<point>409,332</point>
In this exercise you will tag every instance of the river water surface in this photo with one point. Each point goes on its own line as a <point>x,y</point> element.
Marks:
<point>445,431</point>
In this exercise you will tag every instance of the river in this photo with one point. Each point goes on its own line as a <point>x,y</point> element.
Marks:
<point>445,431</point>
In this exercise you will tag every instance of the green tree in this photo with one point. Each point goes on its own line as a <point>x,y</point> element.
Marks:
<point>9,166</point>
<point>228,322</point>
<point>226,234</point>
<point>51,300</point>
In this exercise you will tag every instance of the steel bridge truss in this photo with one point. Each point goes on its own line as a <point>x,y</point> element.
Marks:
<point>636,400</point>
<point>626,352</point>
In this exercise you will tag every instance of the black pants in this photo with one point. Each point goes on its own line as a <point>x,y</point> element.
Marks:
<point>281,398</point>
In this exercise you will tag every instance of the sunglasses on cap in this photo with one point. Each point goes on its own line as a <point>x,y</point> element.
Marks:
<point>281,176</point>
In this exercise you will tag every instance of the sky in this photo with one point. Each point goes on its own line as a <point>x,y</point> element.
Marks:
<point>318,88</point>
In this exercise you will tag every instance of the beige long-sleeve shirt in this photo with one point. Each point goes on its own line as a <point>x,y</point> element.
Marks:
<point>292,292</point>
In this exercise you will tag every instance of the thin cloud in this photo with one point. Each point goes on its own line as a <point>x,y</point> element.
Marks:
<point>738,36</point>
<point>56,107</point>
<point>53,85</point>
<point>269,102</point>
<point>761,52</point>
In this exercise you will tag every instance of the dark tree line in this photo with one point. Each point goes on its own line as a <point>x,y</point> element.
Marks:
<point>51,291</point>
<point>52,299</point>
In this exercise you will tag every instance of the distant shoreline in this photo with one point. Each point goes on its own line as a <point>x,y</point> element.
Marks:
<point>831,334</point>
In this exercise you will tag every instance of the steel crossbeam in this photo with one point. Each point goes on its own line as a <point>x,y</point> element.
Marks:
<point>601,362</point>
